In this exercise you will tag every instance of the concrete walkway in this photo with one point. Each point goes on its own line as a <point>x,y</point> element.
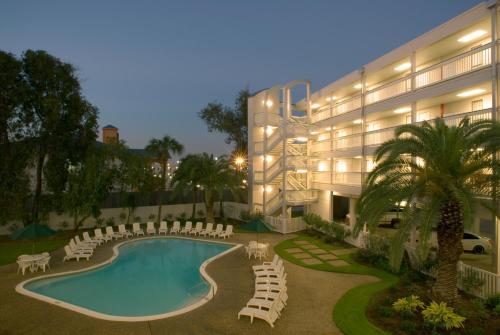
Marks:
<point>312,295</point>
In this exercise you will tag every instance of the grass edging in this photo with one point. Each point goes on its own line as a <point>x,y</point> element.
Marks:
<point>349,312</point>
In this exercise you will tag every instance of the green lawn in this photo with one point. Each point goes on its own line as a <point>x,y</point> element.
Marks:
<point>349,312</point>
<point>10,250</point>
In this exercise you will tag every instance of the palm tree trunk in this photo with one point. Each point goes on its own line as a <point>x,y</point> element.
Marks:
<point>194,202</point>
<point>209,205</point>
<point>35,209</point>
<point>162,188</point>
<point>450,232</point>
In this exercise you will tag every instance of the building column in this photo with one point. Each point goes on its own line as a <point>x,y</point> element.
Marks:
<point>494,100</point>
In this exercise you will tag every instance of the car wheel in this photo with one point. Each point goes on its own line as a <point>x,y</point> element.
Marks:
<point>478,249</point>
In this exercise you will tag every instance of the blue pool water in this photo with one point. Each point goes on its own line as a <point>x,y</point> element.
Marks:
<point>148,277</point>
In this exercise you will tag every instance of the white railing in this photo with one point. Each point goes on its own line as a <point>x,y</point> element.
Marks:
<point>454,120</point>
<point>455,66</point>
<point>389,90</point>
<point>272,119</point>
<point>347,178</point>
<point>274,170</point>
<point>346,142</point>
<point>324,177</point>
<point>294,196</point>
<point>286,225</point>
<point>322,146</point>
<point>379,136</point>
<point>491,281</point>
<point>321,114</point>
<point>347,106</point>
<point>274,139</point>
<point>296,183</point>
<point>273,204</point>
<point>296,150</point>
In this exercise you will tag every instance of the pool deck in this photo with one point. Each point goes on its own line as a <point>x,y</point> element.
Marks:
<point>312,295</point>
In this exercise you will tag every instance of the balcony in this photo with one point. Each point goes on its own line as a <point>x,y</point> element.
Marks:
<point>322,177</point>
<point>347,178</point>
<point>273,119</point>
<point>380,136</point>
<point>453,67</point>
<point>323,146</point>
<point>347,142</point>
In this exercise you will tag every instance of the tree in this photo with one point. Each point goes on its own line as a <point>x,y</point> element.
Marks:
<point>61,124</point>
<point>437,172</point>
<point>89,183</point>
<point>232,180</point>
<point>13,148</point>
<point>231,121</point>
<point>162,151</point>
<point>187,176</point>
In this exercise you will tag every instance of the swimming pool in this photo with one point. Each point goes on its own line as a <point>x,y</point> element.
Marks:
<point>148,279</point>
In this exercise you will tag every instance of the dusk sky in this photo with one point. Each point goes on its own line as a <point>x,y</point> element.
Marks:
<point>150,66</point>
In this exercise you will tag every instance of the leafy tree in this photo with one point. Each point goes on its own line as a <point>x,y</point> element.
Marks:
<point>438,171</point>
<point>230,121</point>
<point>162,151</point>
<point>187,177</point>
<point>13,148</point>
<point>232,180</point>
<point>89,183</point>
<point>61,124</point>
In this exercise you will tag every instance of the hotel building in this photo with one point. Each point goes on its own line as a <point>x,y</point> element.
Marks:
<point>312,150</point>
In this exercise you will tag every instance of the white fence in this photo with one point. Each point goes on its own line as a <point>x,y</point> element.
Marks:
<point>490,282</point>
<point>286,225</point>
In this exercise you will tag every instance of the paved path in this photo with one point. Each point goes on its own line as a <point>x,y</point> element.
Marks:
<point>312,295</point>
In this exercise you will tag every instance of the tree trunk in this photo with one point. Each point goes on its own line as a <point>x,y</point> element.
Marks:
<point>35,207</point>
<point>450,232</point>
<point>162,188</point>
<point>209,205</point>
<point>194,202</point>
<point>221,209</point>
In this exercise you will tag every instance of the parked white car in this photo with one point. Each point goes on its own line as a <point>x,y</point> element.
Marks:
<point>476,243</point>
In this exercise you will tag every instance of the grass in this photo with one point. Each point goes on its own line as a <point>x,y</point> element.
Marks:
<point>10,250</point>
<point>349,312</point>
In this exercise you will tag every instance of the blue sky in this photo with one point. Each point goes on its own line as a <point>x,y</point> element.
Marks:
<point>150,66</point>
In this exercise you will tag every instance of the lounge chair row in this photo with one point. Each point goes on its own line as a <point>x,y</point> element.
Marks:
<point>188,229</point>
<point>77,248</point>
<point>270,295</point>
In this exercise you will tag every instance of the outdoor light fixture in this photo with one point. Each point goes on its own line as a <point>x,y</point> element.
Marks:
<point>328,128</point>
<point>314,106</point>
<point>269,103</point>
<point>358,121</point>
<point>402,110</point>
<point>301,171</point>
<point>470,93</point>
<point>402,67</point>
<point>268,189</point>
<point>358,86</point>
<point>269,130</point>
<point>314,132</point>
<point>268,158</point>
<point>301,139</point>
<point>322,167</point>
<point>331,98</point>
<point>239,160</point>
<point>472,36</point>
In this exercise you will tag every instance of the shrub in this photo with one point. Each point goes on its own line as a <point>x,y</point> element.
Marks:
<point>471,281</point>
<point>339,231</point>
<point>385,311</point>
<point>138,219</point>
<point>110,221</point>
<point>182,217</point>
<point>387,301</point>
<point>201,213</point>
<point>442,316</point>
<point>409,327</point>
<point>496,310</point>
<point>479,309</point>
<point>408,304</point>
<point>151,217</point>
<point>64,224</point>
<point>99,222</point>
<point>474,331</point>
<point>245,215</point>
<point>492,301</point>
<point>170,216</point>
<point>122,217</point>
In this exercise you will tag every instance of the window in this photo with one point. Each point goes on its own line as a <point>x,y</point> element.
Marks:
<point>477,105</point>
<point>468,236</point>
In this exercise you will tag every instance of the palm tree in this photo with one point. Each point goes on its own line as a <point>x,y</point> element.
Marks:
<point>187,177</point>
<point>437,172</point>
<point>162,151</point>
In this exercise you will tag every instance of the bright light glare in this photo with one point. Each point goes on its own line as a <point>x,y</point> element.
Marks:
<point>402,67</point>
<point>472,36</point>
<point>469,93</point>
<point>402,110</point>
<point>301,171</point>
<point>301,139</point>
<point>314,106</point>
<point>358,121</point>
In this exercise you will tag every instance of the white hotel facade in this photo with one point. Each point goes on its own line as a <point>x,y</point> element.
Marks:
<point>314,152</point>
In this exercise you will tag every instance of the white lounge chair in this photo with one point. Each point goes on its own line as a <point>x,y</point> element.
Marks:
<point>123,231</point>
<point>275,288</point>
<point>271,280</point>
<point>268,295</point>
<point>275,273</point>
<point>228,232</point>
<point>196,230</point>
<point>82,244</point>
<point>112,234</point>
<point>266,304</point>
<point>163,228</point>
<point>208,229</point>
<point>86,238</point>
<point>74,247</point>
<point>217,231</point>
<point>270,315</point>
<point>70,254</point>
<point>266,265</point>
<point>187,228</point>
<point>150,228</point>
<point>176,227</point>
<point>24,263</point>
<point>44,262</point>
<point>136,229</point>
<point>98,235</point>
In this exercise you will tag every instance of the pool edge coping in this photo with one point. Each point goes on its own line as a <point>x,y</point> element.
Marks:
<point>203,300</point>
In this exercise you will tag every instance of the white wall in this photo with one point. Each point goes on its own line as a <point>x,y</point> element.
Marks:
<point>231,210</point>
<point>323,207</point>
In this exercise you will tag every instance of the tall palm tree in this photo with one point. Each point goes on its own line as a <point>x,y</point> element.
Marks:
<point>441,174</point>
<point>162,151</point>
<point>187,177</point>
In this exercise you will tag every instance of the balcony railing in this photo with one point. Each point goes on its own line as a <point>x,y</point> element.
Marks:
<point>389,90</point>
<point>453,67</point>
<point>323,146</point>
<point>454,120</point>
<point>347,142</point>
<point>377,137</point>
<point>347,178</point>
<point>273,119</point>
<point>323,177</point>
